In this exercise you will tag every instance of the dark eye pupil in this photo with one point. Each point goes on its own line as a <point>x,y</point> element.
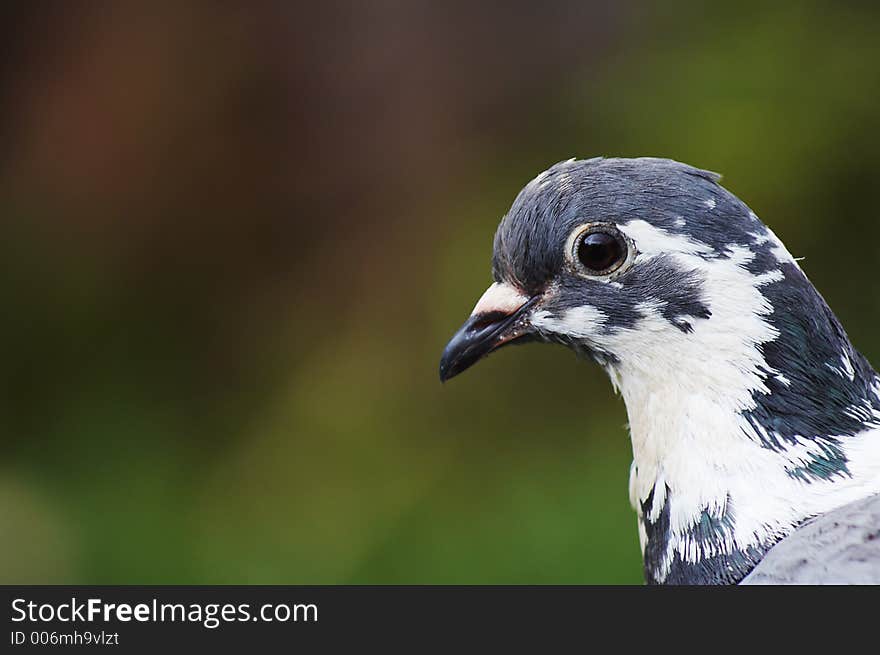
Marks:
<point>599,251</point>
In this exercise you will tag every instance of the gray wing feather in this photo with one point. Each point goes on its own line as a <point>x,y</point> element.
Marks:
<point>840,547</point>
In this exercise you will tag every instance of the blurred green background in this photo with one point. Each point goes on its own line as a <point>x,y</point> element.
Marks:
<point>237,239</point>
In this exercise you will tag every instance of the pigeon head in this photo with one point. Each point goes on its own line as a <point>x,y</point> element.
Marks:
<point>631,261</point>
<point>746,400</point>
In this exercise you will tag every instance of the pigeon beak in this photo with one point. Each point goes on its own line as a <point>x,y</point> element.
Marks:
<point>499,317</point>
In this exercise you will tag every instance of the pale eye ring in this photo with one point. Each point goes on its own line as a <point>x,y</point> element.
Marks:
<point>598,249</point>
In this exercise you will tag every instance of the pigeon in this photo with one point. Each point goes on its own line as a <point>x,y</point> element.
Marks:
<point>754,422</point>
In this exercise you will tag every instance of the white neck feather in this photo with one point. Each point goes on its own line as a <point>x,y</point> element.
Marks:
<point>685,405</point>
<point>686,393</point>
<point>709,457</point>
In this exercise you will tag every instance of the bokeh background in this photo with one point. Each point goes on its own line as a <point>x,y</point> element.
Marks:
<point>237,236</point>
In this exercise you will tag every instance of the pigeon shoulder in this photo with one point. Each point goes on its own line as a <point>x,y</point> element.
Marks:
<point>840,547</point>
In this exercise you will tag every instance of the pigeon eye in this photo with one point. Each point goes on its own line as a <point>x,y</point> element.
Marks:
<point>600,250</point>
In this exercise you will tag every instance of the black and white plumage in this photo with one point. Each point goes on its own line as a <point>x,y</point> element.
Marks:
<point>750,412</point>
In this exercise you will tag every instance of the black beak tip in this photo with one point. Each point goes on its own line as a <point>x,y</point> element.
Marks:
<point>453,359</point>
<point>443,376</point>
